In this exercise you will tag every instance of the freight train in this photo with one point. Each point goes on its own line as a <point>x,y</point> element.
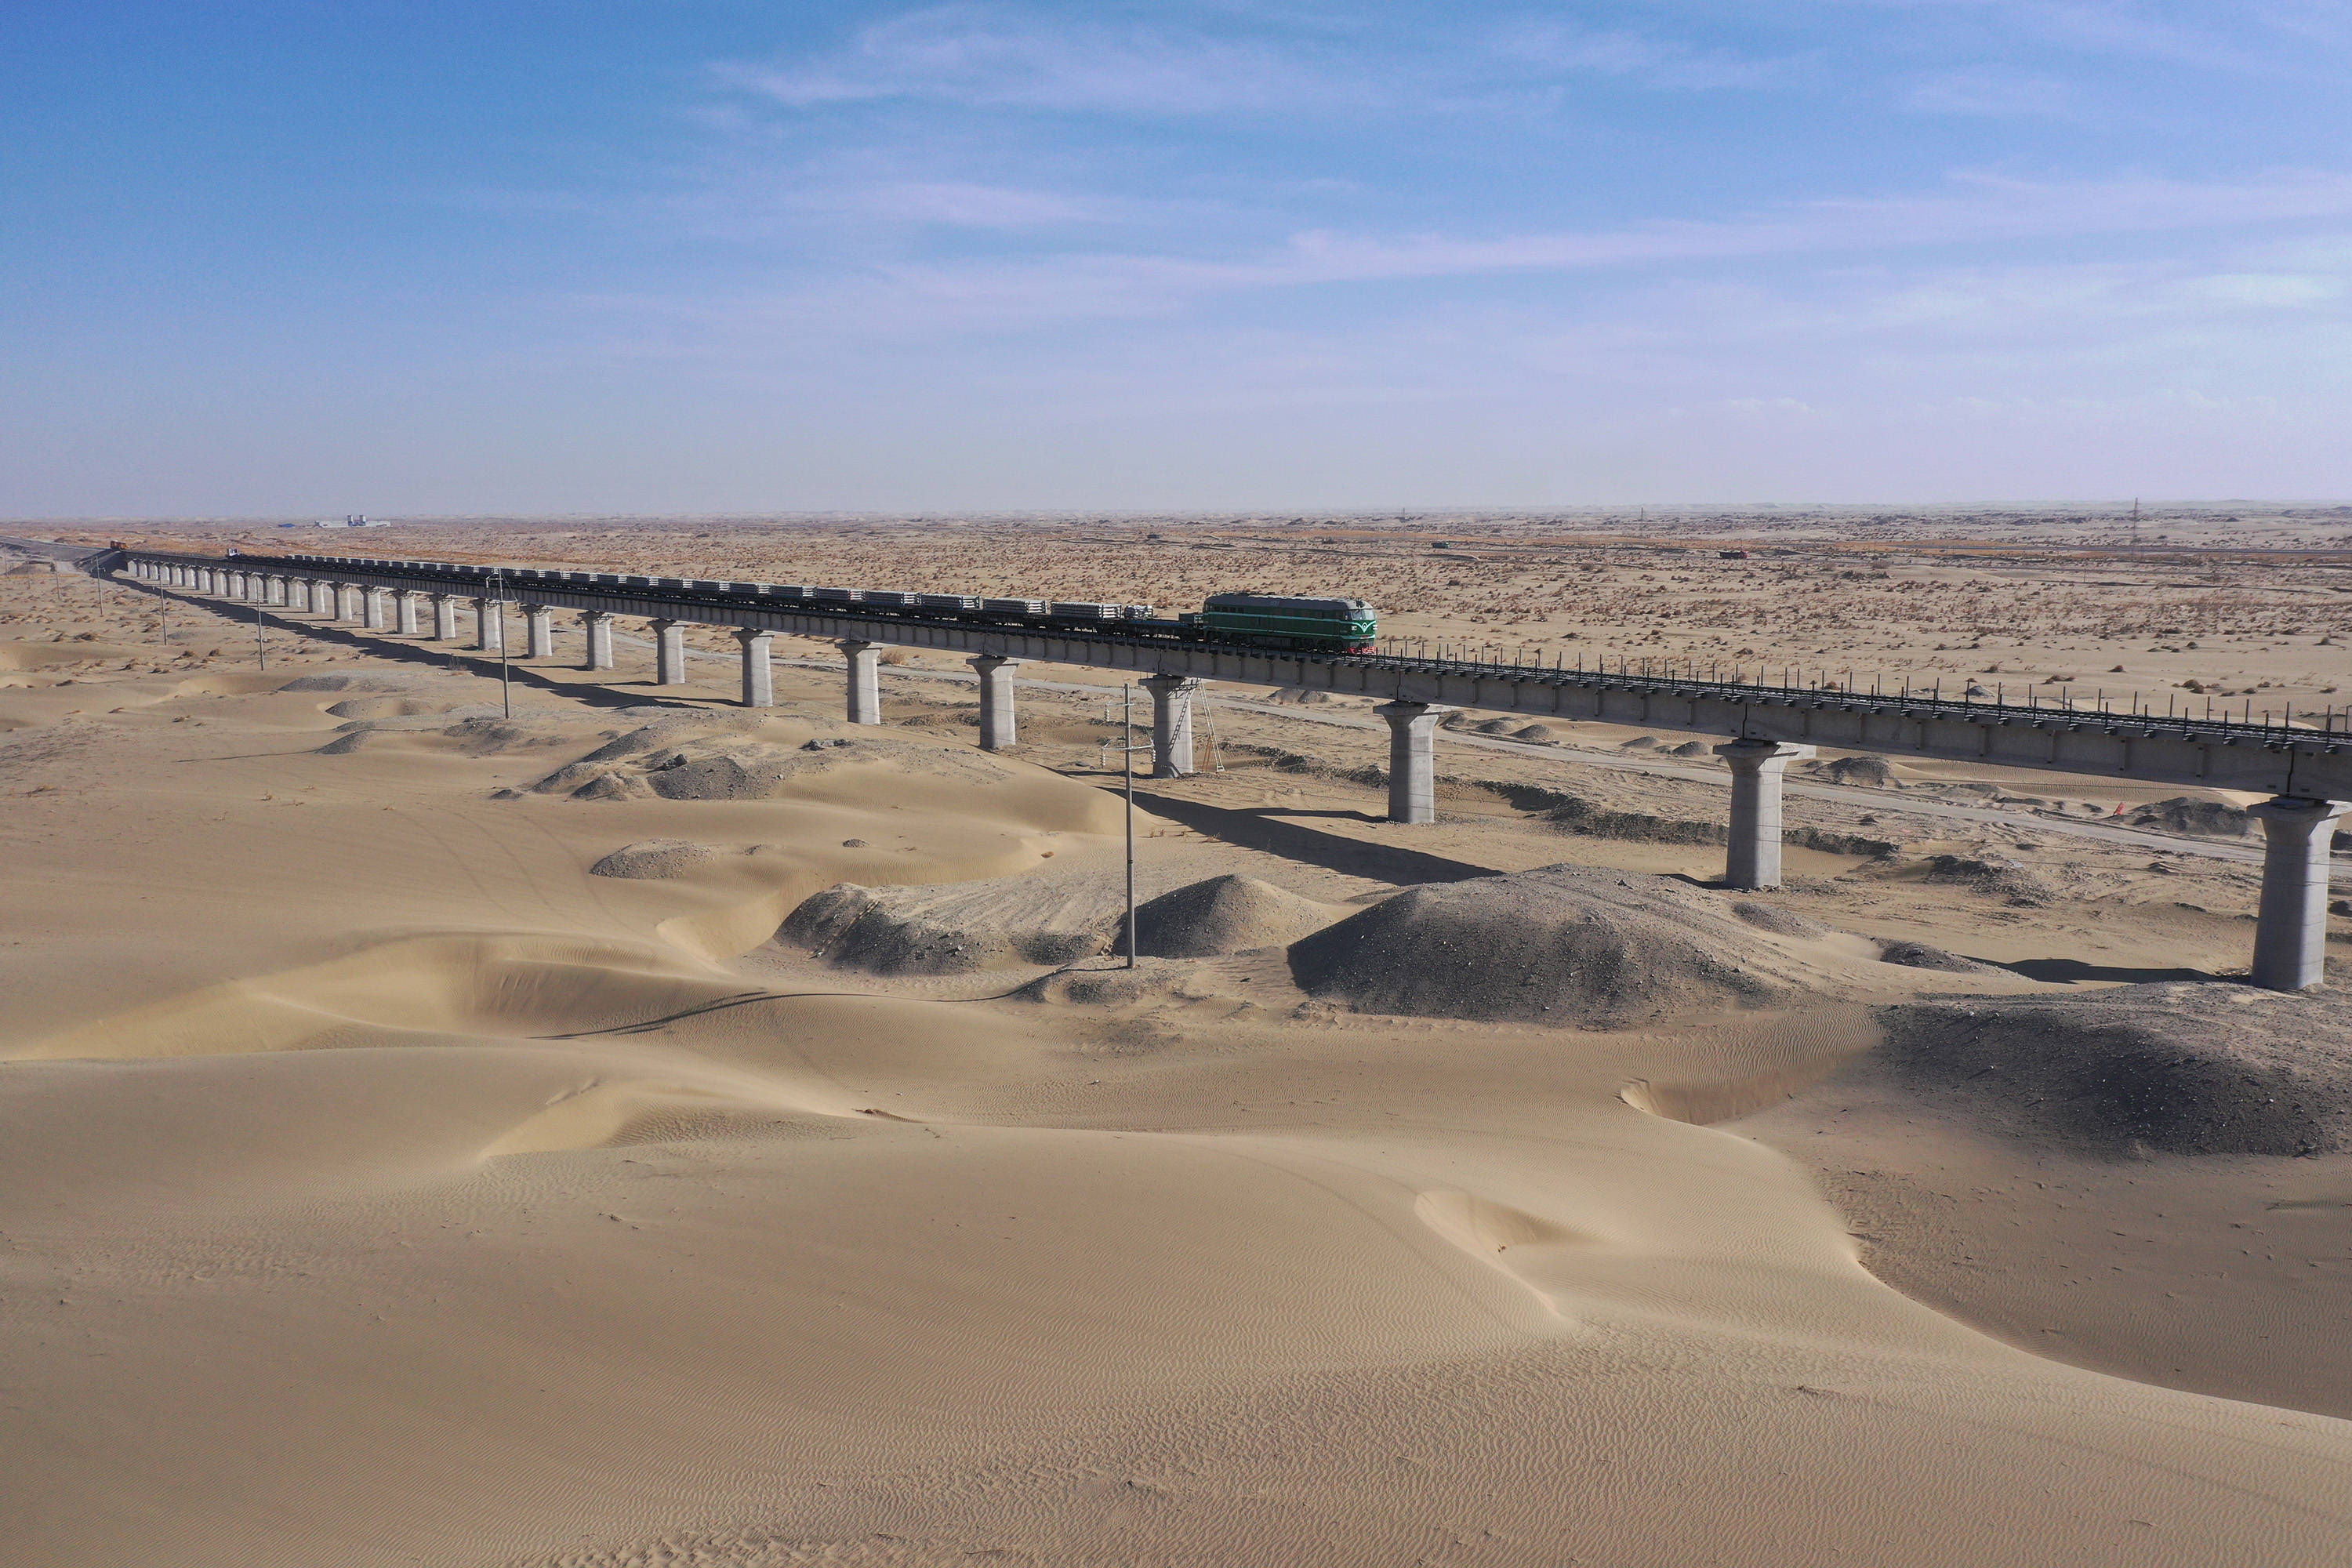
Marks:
<point>1254,620</point>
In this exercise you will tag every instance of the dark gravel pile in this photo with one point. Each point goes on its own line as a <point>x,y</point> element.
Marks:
<point>1569,945</point>
<point>2205,1069</point>
<point>1224,914</point>
<point>655,859</point>
<point>1921,955</point>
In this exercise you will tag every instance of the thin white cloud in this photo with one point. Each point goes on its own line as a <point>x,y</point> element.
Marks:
<point>968,205</point>
<point>990,59</point>
<point>1994,95</point>
<point>2304,39</point>
<point>910,302</point>
<point>1560,47</point>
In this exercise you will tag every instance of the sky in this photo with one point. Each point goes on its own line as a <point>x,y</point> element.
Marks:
<point>712,255</point>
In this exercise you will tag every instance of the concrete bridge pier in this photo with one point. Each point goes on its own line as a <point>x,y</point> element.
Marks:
<point>596,627</point>
<point>371,609</point>
<point>403,612</point>
<point>758,675</point>
<point>1412,758</point>
<point>996,722</point>
<point>670,653</point>
<point>1171,723</point>
<point>347,601</point>
<point>1756,773</point>
<point>864,661</point>
<point>539,631</point>
<point>444,616</point>
<point>2291,927</point>
<point>490,625</point>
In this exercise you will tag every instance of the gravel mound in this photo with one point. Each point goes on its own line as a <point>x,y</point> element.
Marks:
<point>655,859</point>
<point>1117,987</point>
<point>1919,955</point>
<point>1224,914</point>
<point>2001,879</point>
<point>355,681</point>
<point>2186,814</point>
<point>490,734</point>
<point>2180,1070</point>
<point>1565,944</point>
<point>386,708</point>
<point>1779,921</point>
<point>956,928</point>
<point>1869,773</point>
<point>667,762</point>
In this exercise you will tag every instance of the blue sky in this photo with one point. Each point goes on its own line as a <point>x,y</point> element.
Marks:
<point>690,256</point>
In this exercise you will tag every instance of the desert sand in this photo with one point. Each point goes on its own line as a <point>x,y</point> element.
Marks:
<point>629,1131</point>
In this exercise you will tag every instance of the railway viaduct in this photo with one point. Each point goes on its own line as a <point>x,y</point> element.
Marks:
<point>2307,771</point>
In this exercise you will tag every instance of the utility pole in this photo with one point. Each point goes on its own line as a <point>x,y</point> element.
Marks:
<point>499,608</point>
<point>1127,765</point>
<point>260,656</point>
<point>1128,748</point>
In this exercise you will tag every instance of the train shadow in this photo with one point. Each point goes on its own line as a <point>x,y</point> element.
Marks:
<point>1260,827</point>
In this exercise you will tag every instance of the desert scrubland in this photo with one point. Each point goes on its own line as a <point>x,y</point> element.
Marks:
<point>634,1130</point>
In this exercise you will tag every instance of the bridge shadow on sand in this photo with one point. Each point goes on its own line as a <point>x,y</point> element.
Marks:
<point>2069,971</point>
<point>1262,828</point>
<point>393,648</point>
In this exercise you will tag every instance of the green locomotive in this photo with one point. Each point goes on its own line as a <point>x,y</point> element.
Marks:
<point>1269,620</point>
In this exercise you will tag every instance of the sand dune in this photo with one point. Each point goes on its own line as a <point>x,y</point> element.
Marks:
<point>384,1185</point>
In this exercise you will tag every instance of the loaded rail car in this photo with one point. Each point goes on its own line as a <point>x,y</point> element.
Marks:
<point>1248,620</point>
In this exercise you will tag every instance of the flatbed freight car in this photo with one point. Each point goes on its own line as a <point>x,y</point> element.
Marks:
<point>1249,620</point>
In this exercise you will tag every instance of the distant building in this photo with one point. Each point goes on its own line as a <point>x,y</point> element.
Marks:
<point>349,523</point>
<point>1733,554</point>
